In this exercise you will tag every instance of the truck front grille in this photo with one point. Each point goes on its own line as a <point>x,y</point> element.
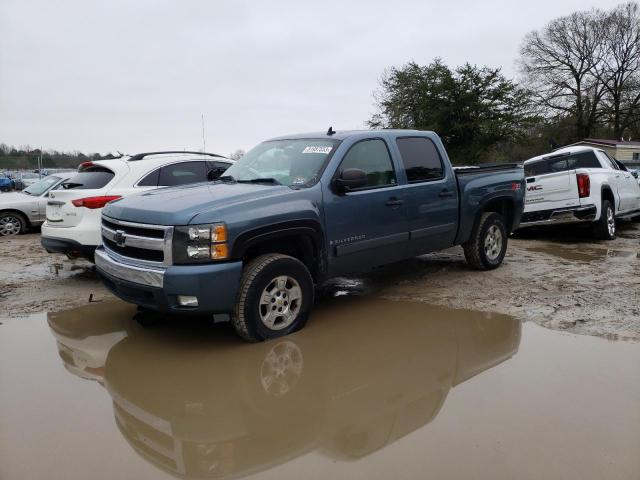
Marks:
<point>138,242</point>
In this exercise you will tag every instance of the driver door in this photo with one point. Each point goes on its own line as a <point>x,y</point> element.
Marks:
<point>368,226</point>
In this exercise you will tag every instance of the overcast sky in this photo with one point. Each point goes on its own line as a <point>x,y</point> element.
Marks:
<point>136,75</point>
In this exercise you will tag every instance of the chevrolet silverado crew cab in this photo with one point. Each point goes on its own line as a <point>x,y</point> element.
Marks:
<point>295,211</point>
<point>579,184</point>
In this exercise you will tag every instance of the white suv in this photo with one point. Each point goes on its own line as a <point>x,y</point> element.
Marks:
<point>74,208</point>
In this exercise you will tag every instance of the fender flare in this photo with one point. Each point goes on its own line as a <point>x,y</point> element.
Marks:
<point>249,238</point>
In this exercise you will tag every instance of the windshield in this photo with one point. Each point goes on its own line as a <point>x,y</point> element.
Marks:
<point>294,163</point>
<point>42,186</point>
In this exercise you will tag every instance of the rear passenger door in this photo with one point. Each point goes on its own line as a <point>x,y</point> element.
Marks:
<point>617,182</point>
<point>432,195</point>
<point>366,227</point>
<point>630,198</point>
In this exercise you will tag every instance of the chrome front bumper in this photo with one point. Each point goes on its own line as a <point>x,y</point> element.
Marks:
<point>152,277</point>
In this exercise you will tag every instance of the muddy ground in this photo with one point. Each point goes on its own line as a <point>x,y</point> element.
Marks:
<point>558,278</point>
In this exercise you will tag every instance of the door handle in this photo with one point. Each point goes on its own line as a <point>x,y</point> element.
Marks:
<point>447,193</point>
<point>394,202</point>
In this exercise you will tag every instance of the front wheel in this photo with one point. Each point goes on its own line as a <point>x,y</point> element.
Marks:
<point>12,223</point>
<point>274,298</point>
<point>487,245</point>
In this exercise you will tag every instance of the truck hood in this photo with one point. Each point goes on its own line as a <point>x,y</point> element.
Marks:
<point>178,205</point>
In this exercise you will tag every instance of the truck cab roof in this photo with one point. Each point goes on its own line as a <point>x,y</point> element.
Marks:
<point>344,134</point>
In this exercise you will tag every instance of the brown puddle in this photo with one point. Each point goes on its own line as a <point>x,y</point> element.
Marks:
<point>370,389</point>
<point>581,253</point>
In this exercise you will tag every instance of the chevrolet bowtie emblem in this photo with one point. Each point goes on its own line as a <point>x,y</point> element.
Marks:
<point>120,238</point>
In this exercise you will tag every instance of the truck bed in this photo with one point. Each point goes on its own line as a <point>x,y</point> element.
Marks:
<point>477,185</point>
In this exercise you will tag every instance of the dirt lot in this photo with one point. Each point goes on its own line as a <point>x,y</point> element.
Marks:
<point>559,279</point>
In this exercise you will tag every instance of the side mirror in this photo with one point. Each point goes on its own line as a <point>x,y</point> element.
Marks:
<point>214,174</point>
<point>351,179</point>
<point>635,174</point>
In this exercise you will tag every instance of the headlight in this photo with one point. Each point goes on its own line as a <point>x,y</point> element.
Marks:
<point>200,243</point>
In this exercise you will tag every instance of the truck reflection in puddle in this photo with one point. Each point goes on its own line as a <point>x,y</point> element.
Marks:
<point>197,402</point>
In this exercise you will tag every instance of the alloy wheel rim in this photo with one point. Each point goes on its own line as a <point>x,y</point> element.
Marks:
<point>611,222</point>
<point>280,302</point>
<point>9,225</point>
<point>493,243</point>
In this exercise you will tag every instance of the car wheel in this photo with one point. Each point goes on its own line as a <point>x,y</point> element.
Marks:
<point>274,299</point>
<point>12,223</point>
<point>605,227</point>
<point>487,245</point>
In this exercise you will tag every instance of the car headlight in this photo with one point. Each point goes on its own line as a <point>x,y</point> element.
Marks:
<point>200,243</point>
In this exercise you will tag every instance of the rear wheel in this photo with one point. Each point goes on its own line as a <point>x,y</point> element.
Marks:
<point>12,223</point>
<point>605,227</point>
<point>274,298</point>
<point>487,245</point>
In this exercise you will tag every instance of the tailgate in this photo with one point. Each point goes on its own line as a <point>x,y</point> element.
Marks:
<point>552,190</point>
<point>92,180</point>
<point>61,212</point>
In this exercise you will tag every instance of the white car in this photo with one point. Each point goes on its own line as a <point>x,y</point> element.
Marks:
<point>73,213</point>
<point>579,184</point>
<point>20,211</point>
<point>29,179</point>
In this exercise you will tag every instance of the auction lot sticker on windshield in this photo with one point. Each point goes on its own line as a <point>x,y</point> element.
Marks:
<point>323,150</point>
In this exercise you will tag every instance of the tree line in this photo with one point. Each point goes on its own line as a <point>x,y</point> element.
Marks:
<point>24,157</point>
<point>579,77</point>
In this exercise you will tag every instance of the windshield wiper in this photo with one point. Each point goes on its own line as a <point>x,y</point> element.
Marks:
<point>270,180</point>
<point>24,191</point>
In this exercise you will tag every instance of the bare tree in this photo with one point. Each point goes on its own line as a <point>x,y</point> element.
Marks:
<point>557,64</point>
<point>619,69</point>
<point>237,155</point>
<point>586,68</point>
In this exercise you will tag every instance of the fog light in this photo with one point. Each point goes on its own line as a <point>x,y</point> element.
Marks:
<point>187,301</point>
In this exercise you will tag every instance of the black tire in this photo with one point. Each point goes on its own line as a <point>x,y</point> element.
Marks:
<point>477,253</point>
<point>601,229</point>
<point>258,276</point>
<point>17,220</point>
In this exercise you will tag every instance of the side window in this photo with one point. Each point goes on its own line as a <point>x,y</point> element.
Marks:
<point>216,169</point>
<point>610,162</point>
<point>585,160</point>
<point>420,158</point>
<point>182,174</point>
<point>151,180</point>
<point>371,156</point>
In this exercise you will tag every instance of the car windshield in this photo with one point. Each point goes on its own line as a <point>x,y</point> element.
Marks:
<point>42,186</point>
<point>294,163</point>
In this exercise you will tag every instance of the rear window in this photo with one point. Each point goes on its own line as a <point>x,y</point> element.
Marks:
<point>92,178</point>
<point>562,164</point>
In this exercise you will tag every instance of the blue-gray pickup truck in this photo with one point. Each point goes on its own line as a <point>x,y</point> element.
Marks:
<point>299,209</point>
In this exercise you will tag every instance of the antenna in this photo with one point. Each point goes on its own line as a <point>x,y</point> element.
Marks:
<point>204,140</point>
<point>331,131</point>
